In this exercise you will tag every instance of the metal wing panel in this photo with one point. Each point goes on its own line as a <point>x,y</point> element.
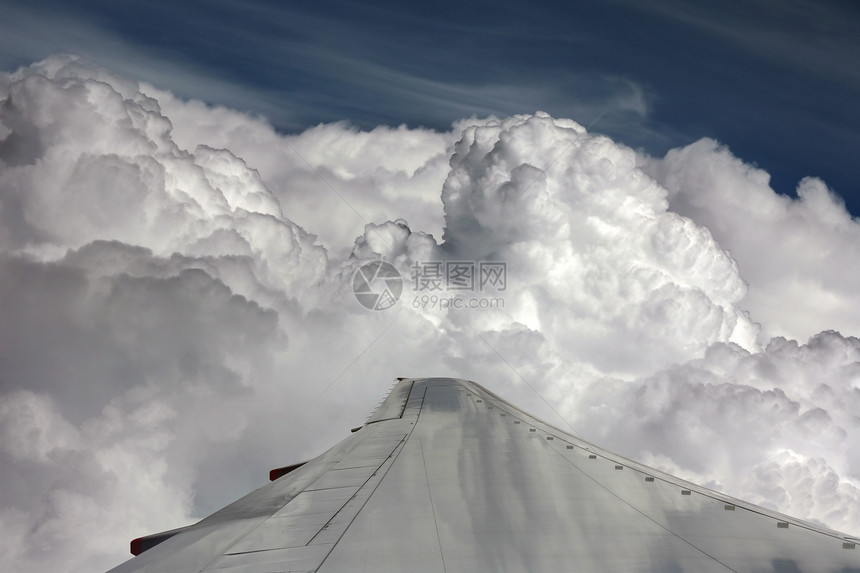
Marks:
<point>446,476</point>
<point>312,496</point>
<point>481,486</point>
<point>392,406</point>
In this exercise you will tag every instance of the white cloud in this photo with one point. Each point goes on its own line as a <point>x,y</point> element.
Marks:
<point>177,314</point>
<point>618,281</point>
<point>330,172</point>
<point>798,256</point>
<point>776,427</point>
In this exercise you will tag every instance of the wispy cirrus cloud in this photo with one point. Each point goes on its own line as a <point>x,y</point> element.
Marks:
<point>311,53</point>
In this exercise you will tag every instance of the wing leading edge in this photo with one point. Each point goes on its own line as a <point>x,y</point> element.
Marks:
<point>446,476</point>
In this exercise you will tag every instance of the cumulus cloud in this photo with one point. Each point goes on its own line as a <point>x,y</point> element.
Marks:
<point>176,312</point>
<point>799,256</point>
<point>596,260</point>
<point>331,172</point>
<point>776,427</point>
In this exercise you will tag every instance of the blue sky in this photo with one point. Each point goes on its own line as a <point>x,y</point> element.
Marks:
<point>778,82</point>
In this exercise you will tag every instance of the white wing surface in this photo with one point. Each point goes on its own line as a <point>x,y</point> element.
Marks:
<point>447,477</point>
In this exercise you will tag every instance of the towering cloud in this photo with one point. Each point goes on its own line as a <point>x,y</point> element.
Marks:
<point>598,264</point>
<point>176,312</point>
<point>798,255</point>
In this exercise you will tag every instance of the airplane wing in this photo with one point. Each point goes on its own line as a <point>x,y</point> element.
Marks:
<point>447,477</point>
